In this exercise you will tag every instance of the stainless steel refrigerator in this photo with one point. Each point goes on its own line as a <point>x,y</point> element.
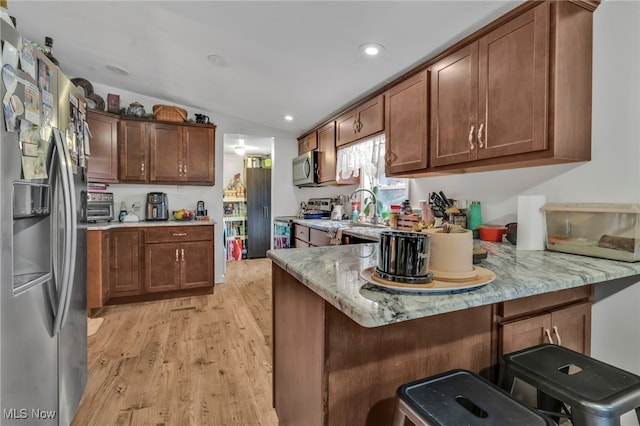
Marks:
<point>43,308</point>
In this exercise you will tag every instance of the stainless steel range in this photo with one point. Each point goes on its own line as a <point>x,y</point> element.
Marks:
<point>322,205</point>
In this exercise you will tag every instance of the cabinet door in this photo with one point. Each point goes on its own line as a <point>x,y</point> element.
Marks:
<point>165,151</point>
<point>327,153</point>
<point>198,165</point>
<point>133,151</point>
<point>196,264</point>
<point>162,267</point>
<point>124,267</point>
<point>406,125</point>
<point>106,278</point>
<point>573,327</point>
<point>513,78</point>
<point>103,161</point>
<point>346,128</point>
<point>454,106</point>
<point>525,333</point>
<point>308,143</point>
<point>371,117</point>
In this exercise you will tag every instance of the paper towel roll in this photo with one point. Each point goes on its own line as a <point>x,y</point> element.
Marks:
<point>531,232</point>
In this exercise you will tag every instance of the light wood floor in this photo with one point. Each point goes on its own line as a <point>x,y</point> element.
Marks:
<point>202,360</point>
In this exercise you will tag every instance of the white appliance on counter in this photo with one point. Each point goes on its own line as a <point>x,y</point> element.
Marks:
<point>43,268</point>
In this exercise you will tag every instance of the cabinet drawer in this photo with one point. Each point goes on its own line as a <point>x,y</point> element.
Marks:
<point>164,234</point>
<point>542,302</point>
<point>318,238</point>
<point>302,233</point>
<point>301,244</point>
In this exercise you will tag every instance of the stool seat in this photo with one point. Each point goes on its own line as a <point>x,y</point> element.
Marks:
<point>598,393</point>
<point>460,397</point>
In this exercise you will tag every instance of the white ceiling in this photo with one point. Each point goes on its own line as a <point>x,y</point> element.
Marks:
<point>280,57</point>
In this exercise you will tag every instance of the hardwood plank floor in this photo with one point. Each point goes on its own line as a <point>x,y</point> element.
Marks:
<point>203,360</point>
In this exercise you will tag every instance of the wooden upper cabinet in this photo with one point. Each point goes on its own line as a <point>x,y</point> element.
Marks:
<point>162,152</point>
<point>327,153</point>
<point>308,143</point>
<point>489,99</point>
<point>103,158</point>
<point>134,164</point>
<point>165,152</point>
<point>406,125</point>
<point>364,120</point>
<point>198,153</point>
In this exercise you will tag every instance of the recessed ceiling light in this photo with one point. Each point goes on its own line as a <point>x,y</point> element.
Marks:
<point>288,117</point>
<point>371,49</point>
<point>116,69</point>
<point>217,60</point>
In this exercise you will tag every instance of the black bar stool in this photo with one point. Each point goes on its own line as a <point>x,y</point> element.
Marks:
<point>460,397</point>
<point>597,393</point>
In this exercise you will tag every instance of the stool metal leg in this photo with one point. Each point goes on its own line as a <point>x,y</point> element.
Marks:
<point>580,418</point>
<point>403,410</point>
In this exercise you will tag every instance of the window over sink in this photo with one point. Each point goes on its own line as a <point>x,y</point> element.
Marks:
<point>366,160</point>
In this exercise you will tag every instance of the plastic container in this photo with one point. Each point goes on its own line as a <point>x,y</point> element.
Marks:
<point>610,231</point>
<point>491,233</point>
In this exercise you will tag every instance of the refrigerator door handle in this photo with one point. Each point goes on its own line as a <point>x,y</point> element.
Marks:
<point>70,230</point>
<point>72,223</point>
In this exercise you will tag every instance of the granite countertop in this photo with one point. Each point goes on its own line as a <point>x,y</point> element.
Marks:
<point>102,226</point>
<point>333,273</point>
<point>364,231</point>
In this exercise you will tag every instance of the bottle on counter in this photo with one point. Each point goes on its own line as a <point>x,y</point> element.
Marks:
<point>474,218</point>
<point>123,211</point>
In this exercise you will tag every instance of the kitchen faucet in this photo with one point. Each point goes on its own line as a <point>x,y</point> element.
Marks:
<point>374,219</point>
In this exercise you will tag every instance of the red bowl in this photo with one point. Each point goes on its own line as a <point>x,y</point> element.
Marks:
<point>492,233</point>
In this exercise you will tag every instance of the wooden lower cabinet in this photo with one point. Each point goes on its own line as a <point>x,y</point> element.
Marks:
<point>310,237</point>
<point>569,327</point>
<point>124,262</point>
<point>186,256</point>
<point>144,263</point>
<point>185,265</point>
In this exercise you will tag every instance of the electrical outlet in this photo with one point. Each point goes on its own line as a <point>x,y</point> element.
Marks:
<point>135,206</point>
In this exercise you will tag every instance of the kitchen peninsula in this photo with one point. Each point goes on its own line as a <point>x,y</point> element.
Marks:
<point>342,346</point>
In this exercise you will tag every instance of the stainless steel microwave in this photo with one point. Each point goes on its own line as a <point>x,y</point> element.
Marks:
<point>305,169</point>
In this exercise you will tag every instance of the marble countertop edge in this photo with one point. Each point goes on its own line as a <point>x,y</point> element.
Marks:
<point>333,273</point>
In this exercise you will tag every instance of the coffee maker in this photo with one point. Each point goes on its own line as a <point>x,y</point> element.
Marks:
<point>157,206</point>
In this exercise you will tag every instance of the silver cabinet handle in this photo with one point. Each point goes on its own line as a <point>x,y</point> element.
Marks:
<point>179,234</point>
<point>471,145</point>
<point>555,331</point>
<point>182,251</point>
<point>546,331</point>
<point>177,255</point>
<point>184,168</point>
<point>141,168</point>
<point>180,169</point>
<point>480,144</point>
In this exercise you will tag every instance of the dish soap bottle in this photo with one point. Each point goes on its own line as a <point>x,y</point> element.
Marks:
<point>123,211</point>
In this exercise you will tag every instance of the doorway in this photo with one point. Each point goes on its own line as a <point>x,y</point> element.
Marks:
<point>247,196</point>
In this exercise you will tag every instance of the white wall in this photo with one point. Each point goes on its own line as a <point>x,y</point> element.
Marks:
<point>233,164</point>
